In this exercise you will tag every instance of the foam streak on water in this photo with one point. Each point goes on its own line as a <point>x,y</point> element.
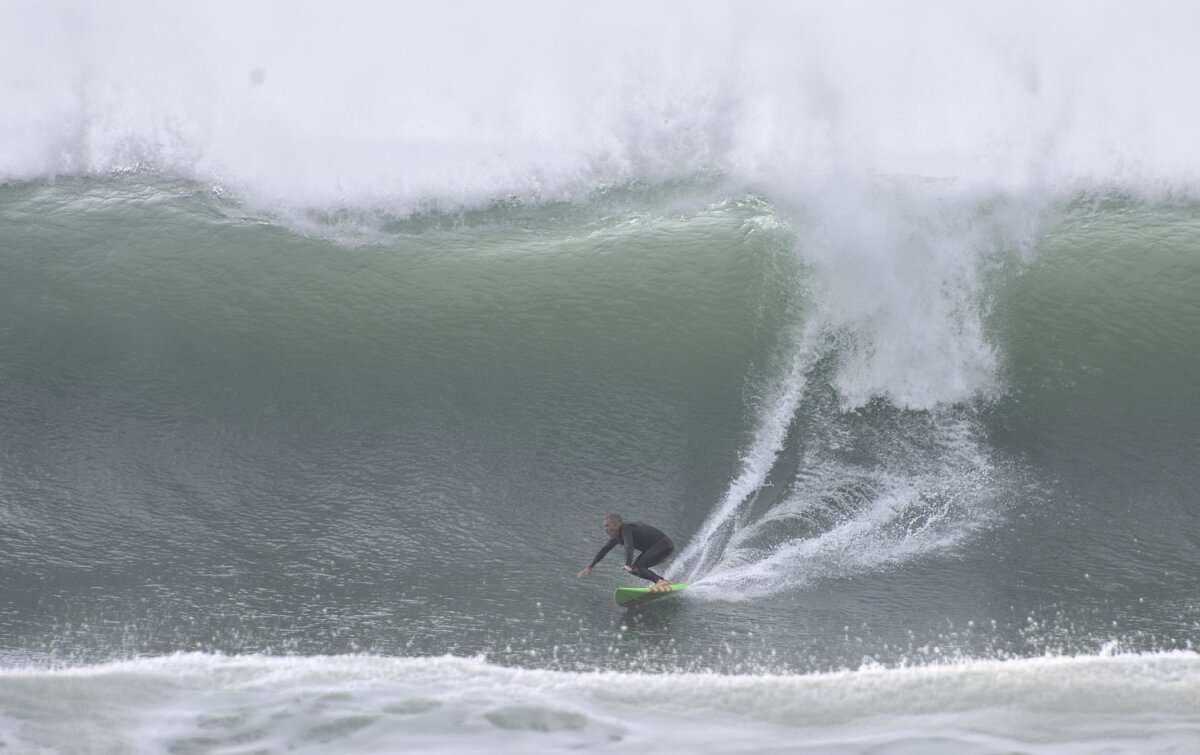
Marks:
<point>204,703</point>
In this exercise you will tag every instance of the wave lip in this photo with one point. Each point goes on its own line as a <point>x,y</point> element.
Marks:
<point>449,106</point>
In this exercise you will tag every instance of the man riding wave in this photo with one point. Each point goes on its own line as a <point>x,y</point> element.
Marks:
<point>653,544</point>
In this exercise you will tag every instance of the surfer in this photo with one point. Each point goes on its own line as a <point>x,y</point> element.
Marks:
<point>653,544</point>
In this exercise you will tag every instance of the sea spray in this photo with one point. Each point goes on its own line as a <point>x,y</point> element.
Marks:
<point>411,108</point>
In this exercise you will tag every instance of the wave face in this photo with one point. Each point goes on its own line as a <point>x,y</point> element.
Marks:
<point>337,339</point>
<point>225,434</point>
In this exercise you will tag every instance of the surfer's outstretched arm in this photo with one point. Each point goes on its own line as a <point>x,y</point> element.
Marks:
<point>603,552</point>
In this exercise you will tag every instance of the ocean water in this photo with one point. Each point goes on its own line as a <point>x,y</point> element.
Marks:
<point>328,336</point>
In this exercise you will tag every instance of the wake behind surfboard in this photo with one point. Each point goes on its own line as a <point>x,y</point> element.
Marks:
<point>628,597</point>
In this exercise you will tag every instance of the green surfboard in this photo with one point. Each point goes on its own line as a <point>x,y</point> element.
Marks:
<point>628,597</point>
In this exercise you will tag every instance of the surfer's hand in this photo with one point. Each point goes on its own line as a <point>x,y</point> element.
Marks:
<point>626,567</point>
<point>584,572</point>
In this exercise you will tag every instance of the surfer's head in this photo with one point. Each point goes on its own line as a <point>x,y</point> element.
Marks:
<point>612,524</point>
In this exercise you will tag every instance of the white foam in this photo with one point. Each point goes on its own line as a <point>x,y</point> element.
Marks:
<point>1113,702</point>
<point>776,413</point>
<point>403,105</point>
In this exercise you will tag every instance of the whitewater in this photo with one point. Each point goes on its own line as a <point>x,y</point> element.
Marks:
<point>328,335</point>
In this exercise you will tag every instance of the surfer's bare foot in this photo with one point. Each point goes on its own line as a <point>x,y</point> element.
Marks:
<point>661,582</point>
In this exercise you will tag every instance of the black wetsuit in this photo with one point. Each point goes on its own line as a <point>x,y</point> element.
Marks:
<point>654,545</point>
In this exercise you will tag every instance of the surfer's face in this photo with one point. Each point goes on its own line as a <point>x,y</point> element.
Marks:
<point>612,528</point>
